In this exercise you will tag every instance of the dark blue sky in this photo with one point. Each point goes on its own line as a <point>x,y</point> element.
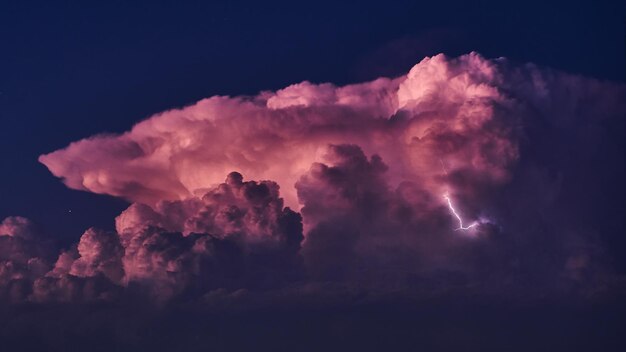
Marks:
<point>70,70</point>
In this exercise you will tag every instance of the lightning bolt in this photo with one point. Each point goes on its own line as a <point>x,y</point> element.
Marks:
<point>456,215</point>
<point>461,227</point>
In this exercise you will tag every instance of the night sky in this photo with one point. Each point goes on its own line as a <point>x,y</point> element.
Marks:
<point>368,255</point>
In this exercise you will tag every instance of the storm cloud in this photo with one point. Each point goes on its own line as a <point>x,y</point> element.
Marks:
<point>316,184</point>
<point>444,116</point>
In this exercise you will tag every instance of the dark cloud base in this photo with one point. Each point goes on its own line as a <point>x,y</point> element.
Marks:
<point>339,322</point>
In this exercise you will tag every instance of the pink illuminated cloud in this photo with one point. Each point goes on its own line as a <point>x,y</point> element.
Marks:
<point>366,184</point>
<point>443,109</point>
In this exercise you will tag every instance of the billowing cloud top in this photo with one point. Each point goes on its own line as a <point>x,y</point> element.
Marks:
<point>452,176</point>
<point>443,117</point>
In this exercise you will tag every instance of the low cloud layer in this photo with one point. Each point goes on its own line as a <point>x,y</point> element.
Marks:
<point>348,185</point>
<point>236,236</point>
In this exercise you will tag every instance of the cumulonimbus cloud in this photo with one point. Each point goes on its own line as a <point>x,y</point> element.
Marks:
<point>446,115</point>
<point>345,184</point>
